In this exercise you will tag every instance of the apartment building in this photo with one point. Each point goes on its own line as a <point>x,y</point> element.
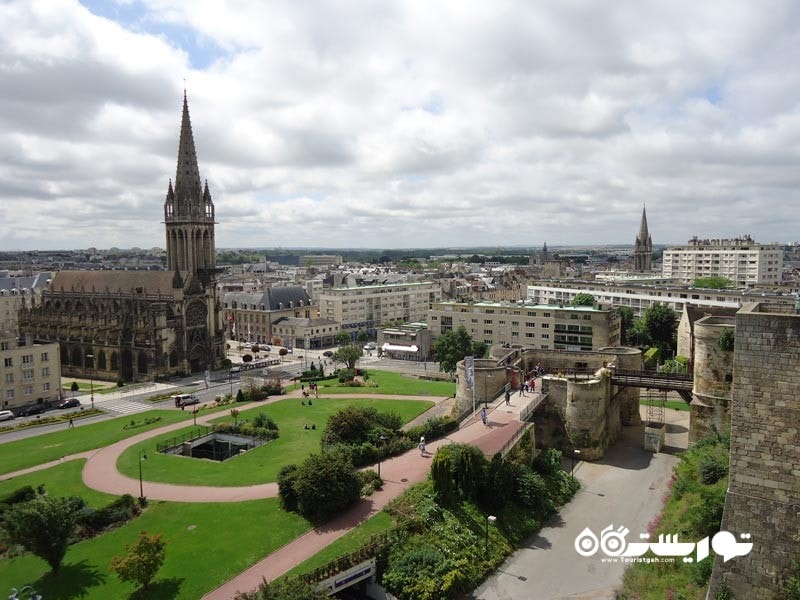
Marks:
<point>741,260</point>
<point>365,308</point>
<point>30,374</point>
<point>248,317</point>
<point>530,325</point>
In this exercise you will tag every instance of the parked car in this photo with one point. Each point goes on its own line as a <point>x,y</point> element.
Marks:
<point>6,415</point>
<point>370,346</point>
<point>31,410</point>
<point>327,353</point>
<point>71,403</point>
<point>185,400</point>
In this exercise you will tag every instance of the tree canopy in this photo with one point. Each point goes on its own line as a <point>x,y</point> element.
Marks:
<point>714,283</point>
<point>143,561</point>
<point>626,320</point>
<point>349,355</point>
<point>341,338</point>
<point>582,299</point>
<point>451,347</point>
<point>659,322</point>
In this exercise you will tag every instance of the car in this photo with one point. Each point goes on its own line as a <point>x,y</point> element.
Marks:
<point>247,345</point>
<point>6,415</point>
<point>370,346</point>
<point>327,353</point>
<point>266,349</point>
<point>185,400</point>
<point>71,403</point>
<point>31,410</point>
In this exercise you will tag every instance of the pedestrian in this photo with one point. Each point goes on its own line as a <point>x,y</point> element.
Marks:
<point>71,424</point>
<point>533,385</point>
<point>421,446</point>
<point>303,388</point>
<point>484,418</point>
<point>508,398</point>
<point>521,389</point>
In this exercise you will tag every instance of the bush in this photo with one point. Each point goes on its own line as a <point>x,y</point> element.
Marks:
<point>119,511</point>
<point>226,363</point>
<point>247,358</point>
<point>144,559</point>
<point>287,477</point>
<point>548,462</point>
<point>711,470</point>
<point>433,428</point>
<point>240,396</point>
<point>345,375</point>
<point>370,482</point>
<point>265,421</point>
<point>326,484</point>
<point>531,491</point>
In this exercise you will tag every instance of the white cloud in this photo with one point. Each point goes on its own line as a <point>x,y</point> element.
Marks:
<point>402,124</point>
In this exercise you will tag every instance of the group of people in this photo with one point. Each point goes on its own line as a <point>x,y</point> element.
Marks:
<point>312,389</point>
<point>313,426</point>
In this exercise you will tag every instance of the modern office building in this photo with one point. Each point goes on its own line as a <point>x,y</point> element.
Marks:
<point>365,308</point>
<point>30,374</point>
<point>743,261</point>
<point>530,325</point>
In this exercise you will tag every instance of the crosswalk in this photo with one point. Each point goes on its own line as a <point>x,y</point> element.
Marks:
<point>118,405</point>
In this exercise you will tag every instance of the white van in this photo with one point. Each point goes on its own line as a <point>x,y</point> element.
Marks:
<point>185,400</point>
<point>6,415</point>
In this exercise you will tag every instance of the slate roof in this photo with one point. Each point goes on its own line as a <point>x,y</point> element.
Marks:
<point>276,298</point>
<point>151,282</point>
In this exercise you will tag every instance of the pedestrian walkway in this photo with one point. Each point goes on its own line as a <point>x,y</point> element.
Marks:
<point>119,405</point>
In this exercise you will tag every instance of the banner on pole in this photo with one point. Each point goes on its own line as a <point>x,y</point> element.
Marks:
<point>469,368</point>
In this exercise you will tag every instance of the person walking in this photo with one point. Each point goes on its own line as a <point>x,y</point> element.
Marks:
<point>522,388</point>
<point>421,446</point>
<point>71,424</point>
<point>484,417</point>
<point>508,397</point>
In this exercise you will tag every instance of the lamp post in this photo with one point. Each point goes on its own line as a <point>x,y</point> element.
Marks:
<point>382,439</point>
<point>194,416</point>
<point>142,458</point>
<point>575,452</point>
<point>489,519</point>
<point>91,380</point>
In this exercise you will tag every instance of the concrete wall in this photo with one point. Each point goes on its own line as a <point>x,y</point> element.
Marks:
<point>713,379</point>
<point>764,486</point>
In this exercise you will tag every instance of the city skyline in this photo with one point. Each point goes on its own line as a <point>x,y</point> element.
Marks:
<point>401,125</point>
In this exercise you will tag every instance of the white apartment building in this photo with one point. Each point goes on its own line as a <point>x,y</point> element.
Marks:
<point>741,260</point>
<point>529,325</point>
<point>371,306</point>
<point>29,374</point>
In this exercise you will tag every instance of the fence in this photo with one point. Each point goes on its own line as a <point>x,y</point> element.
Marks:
<point>528,410</point>
<point>193,434</point>
<point>516,438</point>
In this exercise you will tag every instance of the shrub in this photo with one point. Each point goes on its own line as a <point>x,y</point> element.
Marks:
<point>264,420</point>
<point>287,477</point>
<point>433,428</point>
<point>531,491</point>
<point>325,485</point>
<point>711,470</point>
<point>118,511</point>
<point>247,358</point>
<point>144,559</point>
<point>240,396</point>
<point>548,461</point>
<point>370,481</point>
<point>345,375</point>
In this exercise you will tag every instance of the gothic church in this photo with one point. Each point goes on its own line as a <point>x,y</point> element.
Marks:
<point>137,325</point>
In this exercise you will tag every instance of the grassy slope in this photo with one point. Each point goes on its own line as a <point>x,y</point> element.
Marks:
<point>392,383</point>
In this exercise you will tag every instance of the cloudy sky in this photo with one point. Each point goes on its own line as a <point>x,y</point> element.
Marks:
<point>401,124</point>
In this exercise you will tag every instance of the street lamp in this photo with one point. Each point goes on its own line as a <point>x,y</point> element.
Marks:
<point>382,439</point>
<point>194,416</point>
<point>91,379</point>
<point>575,452</point>
<point>489,519</point>
<point>142,458</point>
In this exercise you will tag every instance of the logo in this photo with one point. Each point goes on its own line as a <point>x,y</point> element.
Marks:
<point>613,544</point>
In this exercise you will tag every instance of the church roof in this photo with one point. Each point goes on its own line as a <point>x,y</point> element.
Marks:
<point>150,282</point>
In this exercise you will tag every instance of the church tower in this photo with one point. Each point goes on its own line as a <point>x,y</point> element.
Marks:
<point>189,212</point>
<point>643,248</point>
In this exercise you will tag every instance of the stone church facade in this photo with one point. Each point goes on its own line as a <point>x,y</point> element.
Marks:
<point>137,325</point>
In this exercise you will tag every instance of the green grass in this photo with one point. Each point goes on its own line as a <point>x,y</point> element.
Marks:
<point>43,448</point>
<point>391,383</point>
<point>673,404</point>
<point>86,386</point>
<point>61,480</point>
<point>349,542</point>
<point>207,544</point>
<point>262,464</point>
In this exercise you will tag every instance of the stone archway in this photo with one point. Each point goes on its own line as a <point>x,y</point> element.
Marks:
<point>198,359</point>
<point>141,362</point>
<point>126,365</point>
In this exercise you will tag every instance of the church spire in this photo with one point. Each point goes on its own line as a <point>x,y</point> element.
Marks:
<point>188,189</point>
<point>644,235</point>
<point>643,248</point>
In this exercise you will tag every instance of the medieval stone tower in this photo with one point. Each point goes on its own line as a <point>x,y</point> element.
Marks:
<point>764,481</point>
<point>643,248</point>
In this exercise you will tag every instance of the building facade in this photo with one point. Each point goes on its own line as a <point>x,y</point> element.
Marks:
<point>249,316</point>
<point>137,325</point>
<point>741,260</point>
<point>406,342</point>
<point>30,374</point>
<point>529,325</point>
<point>366,308</point>
<point>294,332</point>
<point>15,294</point>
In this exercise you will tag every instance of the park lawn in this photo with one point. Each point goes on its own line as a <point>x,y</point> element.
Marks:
<point>391,383</point>
<point>349,542</point>
<point>39,449</point>
<point>260,465</point>
<point>207,544</point>
<point>61,480</point>
<point>66,385</point>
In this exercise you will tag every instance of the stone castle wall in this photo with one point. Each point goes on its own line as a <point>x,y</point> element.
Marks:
<point>713,379</point>
<point>764,486</point>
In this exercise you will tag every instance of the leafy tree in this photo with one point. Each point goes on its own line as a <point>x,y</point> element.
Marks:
<point>240,396</point>
<point>43,526</point>
<point>451,347</point>
<point>284,589</point>
<point>362,336</point>
<point>458,471</point>
<point>726,339</point>
<point>582,299</point>
<point>325,485</point>
<point>282,352</point>
<point>479,349</point>
<point>713,283</point>
<point>341,339</point>
<point>143,561</point>
<point>660,323</point>
<point>74,387</point>
<point>349,355</point>
<point>286,481</point>
<point>626,325</point>
<point>247,358</point>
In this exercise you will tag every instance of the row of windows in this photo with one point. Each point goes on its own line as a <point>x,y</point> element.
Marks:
<point>28,391</point>
<point>27,359</point>
<point>27,375</point>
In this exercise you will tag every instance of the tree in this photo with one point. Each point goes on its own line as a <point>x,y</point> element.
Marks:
<point>326,484</point>
<point>341,339</point>
<point>74,388</point>
<point>143,561</point>
<point>660,324</point>
<point>349,355</point>
<point>713,283</point>
<point>362,336</point>
<point>582,299</point>
<point>479,349</point>
<point>451,347</point>
<point>626,325</point>
<point>282,352</point>
<point>284,589</point>
<point>44,526</point>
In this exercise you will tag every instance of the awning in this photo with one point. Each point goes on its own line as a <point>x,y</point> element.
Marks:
<point>393,348</point>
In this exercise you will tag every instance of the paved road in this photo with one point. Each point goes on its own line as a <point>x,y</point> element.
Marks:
<point>625,488</point>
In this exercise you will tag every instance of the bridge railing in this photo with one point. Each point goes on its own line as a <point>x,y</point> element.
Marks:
<point>514,439</point>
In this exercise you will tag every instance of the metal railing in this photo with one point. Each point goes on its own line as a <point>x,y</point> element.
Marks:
<point>528,409</point>
<point>194,433</point>
<point>514,439</point>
